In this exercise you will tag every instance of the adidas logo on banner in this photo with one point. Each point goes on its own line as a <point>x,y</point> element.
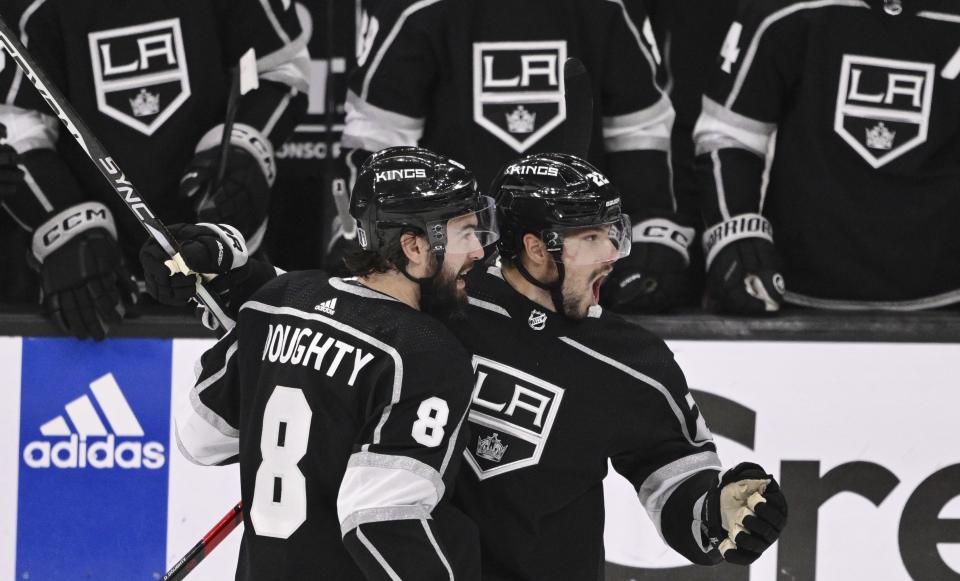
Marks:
<point>90,444</point>
<point>328,307</point>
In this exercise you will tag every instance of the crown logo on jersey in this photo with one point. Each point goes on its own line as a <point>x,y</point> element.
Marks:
<point>145,104</point>
<point>880,137</point>
<point>521,120</point>
<point>491,448</point>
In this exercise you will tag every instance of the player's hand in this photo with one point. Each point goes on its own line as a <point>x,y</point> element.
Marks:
<point>243,198</point>
<point>211,249</point>
<point>86,287</point>
<point>745,512</point>
<point>10,175</point>
<point>743,267</point>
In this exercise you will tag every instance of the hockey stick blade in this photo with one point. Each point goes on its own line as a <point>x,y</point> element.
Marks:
<point>578,97</point>
<point>100,157</point>
<point>206,544</point>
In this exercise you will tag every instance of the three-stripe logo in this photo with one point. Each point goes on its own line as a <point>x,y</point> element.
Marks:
<point>90,443</point>
<point>329,307</point>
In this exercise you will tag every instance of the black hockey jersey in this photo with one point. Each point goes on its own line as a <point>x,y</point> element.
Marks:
<point>864,188</point>
<point>345,408</point>
<point>482,82</point>
<point>552,402</point>
<point>150,79</point>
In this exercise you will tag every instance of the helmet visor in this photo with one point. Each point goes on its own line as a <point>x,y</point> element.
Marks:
<point>466,233</point>
<point>593,244</point>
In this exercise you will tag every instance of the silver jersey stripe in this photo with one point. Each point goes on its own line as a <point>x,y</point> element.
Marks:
<point>382,514</point>
<point>932,302</point>
<point>393,353</point>
<point>24,38</point>
<point>643,47</point>
<point>721,191</point>
<point>376,555</point>
<point>272,17</point>
<point>659,486</point>
<point>389,40</point>
<point>645,379</point>
<point>767,23</point>
<point>413,465</point>
<point>436,547</point>
<point>372,128</point>
<point>482,304</point>
<point>452,442</point>
<point>202,410</point>
<point>941,16</point>
<point>343,285</point>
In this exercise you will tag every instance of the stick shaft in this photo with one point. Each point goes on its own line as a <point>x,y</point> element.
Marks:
<point>99,156</point>
<point>205,545</point>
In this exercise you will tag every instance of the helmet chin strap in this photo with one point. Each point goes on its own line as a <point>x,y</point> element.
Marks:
<point>555,289</point>
<point>425,283</point>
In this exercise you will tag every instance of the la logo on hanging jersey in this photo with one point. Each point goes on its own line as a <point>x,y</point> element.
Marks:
<point>518,89</point>
<point>511,417</point>
<point>883,106</point>
<point>140,73</point>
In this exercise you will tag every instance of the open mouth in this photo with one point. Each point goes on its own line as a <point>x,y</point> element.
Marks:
<point>462,278</point>
<point>595,286</point>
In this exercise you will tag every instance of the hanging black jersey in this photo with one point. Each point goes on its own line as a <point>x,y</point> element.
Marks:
<point>482,81</point>
<point>864,187</point>
<point>344,407</point>
<point>553,401</point>
<point>150,79</point>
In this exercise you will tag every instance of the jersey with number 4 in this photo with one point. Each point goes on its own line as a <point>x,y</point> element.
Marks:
<point>864,185</point>
<point>344,407</point>
<point>553,401</point>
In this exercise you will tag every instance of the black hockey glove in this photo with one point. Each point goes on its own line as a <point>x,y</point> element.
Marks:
<point>85,284</point>
<point>10,175</point>
<point>743,266</point>
<point>744,513</point>
<point>243,198</point>
<point>654,277</point>
<point>216,249</point>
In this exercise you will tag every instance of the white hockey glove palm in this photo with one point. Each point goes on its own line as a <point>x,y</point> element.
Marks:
<point>744,513</point>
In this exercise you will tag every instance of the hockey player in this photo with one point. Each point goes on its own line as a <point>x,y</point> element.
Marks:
<point>561,386</point>
<point>483,81</point>
<point>862,200</point>
<point>341,399</point>
<point>151,80</point>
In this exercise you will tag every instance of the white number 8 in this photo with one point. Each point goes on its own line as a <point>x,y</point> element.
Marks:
<point>428,429</point>
<point>280,492</point>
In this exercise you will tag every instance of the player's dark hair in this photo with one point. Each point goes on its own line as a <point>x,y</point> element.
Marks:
<point>367,262</point>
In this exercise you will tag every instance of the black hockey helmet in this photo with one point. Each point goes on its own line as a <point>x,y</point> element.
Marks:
<point>551,194</point>
<point>404,188</point>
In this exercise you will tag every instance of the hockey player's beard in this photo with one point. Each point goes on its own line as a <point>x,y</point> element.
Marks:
<point>442,297</point>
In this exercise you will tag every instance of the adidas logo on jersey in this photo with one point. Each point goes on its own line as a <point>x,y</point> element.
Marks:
<point>328,307</point>
<point>89,443</point>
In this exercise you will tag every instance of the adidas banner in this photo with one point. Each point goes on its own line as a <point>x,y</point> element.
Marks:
<point>859,435</point>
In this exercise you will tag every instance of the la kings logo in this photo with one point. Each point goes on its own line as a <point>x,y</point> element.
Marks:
<point>883,106</point>
<point>511,415</point>
<point>518,89</point>
<point>140,73</point>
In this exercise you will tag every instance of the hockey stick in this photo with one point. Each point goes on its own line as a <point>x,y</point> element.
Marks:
<point>578,98</point>
<point>101,158</point>
<point>206,544</point>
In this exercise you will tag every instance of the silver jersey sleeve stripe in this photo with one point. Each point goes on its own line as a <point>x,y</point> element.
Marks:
<point>645,379</point>
<point>452,442</point>
<point>649,128</point>
<point>393,353</point>
<point>381,487</point>
<point>766,24</point>
<point>35,188</point>
<point>697,526</point>
<point>203,436</point>
<point>378,58</point>
<point>436,547</point>
<point>659,486</point>
<point>718,127</point>
<point>718,182</point>
<point>371,128</point>
<point>272,18</point>
<point>376,555</point>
